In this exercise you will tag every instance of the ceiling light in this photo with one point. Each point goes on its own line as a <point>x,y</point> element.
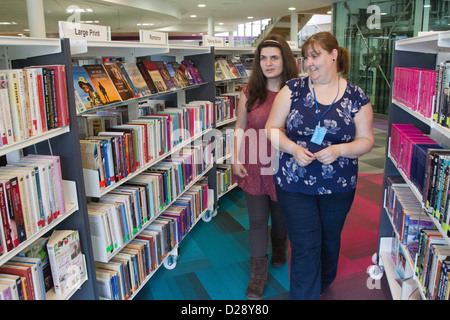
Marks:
<point>329,12</point>
<point>201,5</point>
<point>74,10</point>
<point>249,17</point>
<point>193,16</point>
<point>291,8</point>
<point>220,23</point>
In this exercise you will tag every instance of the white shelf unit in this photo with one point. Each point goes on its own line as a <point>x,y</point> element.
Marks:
<point>423,52</point>
<point>131,51</point>
<point>18,53</point>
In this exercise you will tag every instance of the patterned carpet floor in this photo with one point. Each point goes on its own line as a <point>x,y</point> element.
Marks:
<point>213,258</point>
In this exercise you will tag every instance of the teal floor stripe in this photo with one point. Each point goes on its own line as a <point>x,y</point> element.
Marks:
<point>213,261</point>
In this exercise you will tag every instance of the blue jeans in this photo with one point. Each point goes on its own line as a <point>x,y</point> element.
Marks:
<point>314,224</point>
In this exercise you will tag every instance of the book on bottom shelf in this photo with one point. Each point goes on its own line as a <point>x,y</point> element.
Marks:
<point>121,276</point>
<point>66,260</point>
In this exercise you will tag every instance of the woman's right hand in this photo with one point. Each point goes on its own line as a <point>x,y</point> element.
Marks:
<point>303,156</point>
<point>239,170</point>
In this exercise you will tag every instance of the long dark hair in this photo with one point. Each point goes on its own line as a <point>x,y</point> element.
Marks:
<point>257,83</point>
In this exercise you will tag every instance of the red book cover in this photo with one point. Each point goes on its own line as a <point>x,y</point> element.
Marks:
<point>4,216</point>
<point>18,210</point>
<point>22,271</point>
<point>41,102</point>
<point>146,75</point>
<point>155,75</point>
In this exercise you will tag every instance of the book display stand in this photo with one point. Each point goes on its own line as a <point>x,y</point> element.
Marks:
<point>63,142</point>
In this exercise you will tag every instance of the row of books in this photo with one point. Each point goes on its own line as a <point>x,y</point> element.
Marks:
<point>102,84</point>
<point>427,165</point>
<point>226,69</point>
<point>425,91</point>
<point>125,273</point>
<point>442,96</point>
<point>404,137</point>
<point>31,197</point>
<point>415,88</point>
<point>406,212</point>
<point>121,214</point>
<point>224,178</point>
<point>226,106</point>
<point>33,100</point>
<point>54,263</point>
<point>224,145</point>
<point>433,265</point>
<point>123,149</point>
<point>436,186</point>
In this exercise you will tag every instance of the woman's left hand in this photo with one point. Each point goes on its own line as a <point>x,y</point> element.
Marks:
<point>328,155</point>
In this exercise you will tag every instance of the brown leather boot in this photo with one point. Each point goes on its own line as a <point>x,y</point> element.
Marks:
<point>279,246</point>
<point>258,278</point>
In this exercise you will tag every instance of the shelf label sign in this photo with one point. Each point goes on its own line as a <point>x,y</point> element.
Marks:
<point>213,41</point>
<point>293,44</point>
<point>153,37</point>
<point>81,31</point>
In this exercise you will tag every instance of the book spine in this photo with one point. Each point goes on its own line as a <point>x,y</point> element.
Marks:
<point>5,223</point>
<point>18,212</point>
<point>146,75</point>
<point>55,115</point>
<point>55,275</point>
<point>48,98</point>
<point>33,100</point>
<point>14,97</point>
<point>24,106</point>
<point>62,109</point>
<point>42,104</point>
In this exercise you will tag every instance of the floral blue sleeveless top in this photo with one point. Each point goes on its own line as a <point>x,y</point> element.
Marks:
<point>318,178</point>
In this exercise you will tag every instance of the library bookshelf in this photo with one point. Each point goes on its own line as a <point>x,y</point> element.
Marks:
<point>427,52</point>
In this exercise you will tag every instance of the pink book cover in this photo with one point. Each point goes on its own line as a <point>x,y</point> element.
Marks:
<point>405,140</point>
<point>396,137</point>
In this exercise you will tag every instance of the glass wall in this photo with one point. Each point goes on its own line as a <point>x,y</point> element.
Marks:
<point>369,29</point>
